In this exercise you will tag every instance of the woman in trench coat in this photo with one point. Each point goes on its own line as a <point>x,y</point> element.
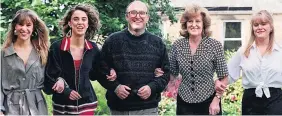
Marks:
<point>23,59</point>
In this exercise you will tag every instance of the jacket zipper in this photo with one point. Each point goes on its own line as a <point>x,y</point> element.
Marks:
<point>79,76</point>
<point>80,68</point>
<point>74,72</point>
<point>77,86</point>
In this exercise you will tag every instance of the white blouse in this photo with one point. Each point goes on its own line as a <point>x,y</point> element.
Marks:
<point>259,72</point>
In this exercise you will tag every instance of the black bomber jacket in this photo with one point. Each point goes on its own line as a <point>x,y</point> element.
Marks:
<point>61,65</point>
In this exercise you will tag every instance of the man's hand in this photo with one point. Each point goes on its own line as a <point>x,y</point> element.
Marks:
<point>123,91</point>
<point>144,92</point>
<point>220,87</point>
<point>112,75</point>
<point>158,72</point>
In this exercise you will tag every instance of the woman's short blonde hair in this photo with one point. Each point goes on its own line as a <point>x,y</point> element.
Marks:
<point>192,11</point>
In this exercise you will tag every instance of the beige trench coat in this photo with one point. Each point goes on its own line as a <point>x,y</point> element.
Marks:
<point>21,85</point>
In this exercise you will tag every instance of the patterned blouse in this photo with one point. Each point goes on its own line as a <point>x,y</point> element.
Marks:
<point>197,70</point>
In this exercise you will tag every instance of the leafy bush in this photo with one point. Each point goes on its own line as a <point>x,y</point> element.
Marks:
<point>232,98</point>
<point>103,108</point>
<point>167,106</point>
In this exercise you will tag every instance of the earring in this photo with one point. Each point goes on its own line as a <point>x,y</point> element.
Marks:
<point>15,32</point>
<point>34,35</point>
<point>69,33</point>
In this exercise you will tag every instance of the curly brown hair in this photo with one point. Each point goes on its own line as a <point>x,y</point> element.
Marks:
<point>93,19</point>
<point>39,38</point>
<point>192,11</point>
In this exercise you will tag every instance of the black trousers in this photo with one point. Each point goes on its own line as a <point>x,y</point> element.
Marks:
<point>252,105</point>
<point>184,108</point>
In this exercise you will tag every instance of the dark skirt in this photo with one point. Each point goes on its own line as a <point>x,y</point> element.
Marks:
<point>202,108</point>
<point>252,105</point>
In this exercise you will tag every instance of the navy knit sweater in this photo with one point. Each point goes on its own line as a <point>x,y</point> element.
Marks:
<point>134,59</point>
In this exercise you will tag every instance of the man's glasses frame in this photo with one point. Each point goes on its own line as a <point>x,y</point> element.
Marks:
<point>134,13</point>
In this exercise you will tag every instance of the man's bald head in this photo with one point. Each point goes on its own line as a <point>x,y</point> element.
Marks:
<point>138,3</point>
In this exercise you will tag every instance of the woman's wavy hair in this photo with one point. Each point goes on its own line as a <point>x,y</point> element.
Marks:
<point>93,20</point>
<point>39,37</point>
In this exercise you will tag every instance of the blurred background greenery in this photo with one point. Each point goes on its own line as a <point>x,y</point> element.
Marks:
<point>112,14</point>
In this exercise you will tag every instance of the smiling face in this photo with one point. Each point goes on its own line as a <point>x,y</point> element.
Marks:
<point>79,23</point>
<point>24,29</point>
<point>195,25</point>
<point>137,16</point>
<point>261,27</point>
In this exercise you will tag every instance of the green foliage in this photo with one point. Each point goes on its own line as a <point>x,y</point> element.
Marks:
<point>232,98</point>
<point>159,8</point>
<point>228,54</point>
<point>112,14</point>
<point>167,106</point>
<point>2,30</point>
<point>168,44</point>
<point>49,102</point>
<point>103,108</point>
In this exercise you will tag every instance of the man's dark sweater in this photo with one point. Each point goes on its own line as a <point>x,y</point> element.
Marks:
<point>135,58</point>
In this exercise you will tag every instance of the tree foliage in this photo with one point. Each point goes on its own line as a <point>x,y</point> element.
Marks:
<point>112,14</point>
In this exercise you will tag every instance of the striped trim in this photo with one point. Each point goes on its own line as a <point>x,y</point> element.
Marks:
<point>96,102</point>
<point>71,109</point>
<point>64,112</point>
<point>65,45</point>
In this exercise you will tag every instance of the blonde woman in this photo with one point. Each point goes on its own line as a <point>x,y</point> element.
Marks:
<point>261,64</point>
<point>23,60</point>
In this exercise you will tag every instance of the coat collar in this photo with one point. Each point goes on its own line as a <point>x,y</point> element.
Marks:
<point>9,50</point>
<point>33,56</point>
<point>65,45</point>
<point>275,46</point>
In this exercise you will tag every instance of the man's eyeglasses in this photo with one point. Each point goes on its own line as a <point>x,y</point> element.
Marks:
<point>134,13</point>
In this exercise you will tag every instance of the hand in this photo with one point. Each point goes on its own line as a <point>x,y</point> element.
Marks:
<point>123,91</point>
<point>214,106</point>
<point>59,86</point>
<point>1,113</point>
<point>158,72</point>
<point>112,75</point>
<point>219,87</point>
<point>144,92</point>
<point>74,95</point>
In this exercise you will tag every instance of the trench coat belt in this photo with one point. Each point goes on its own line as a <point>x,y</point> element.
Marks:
<point>31,96</point>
